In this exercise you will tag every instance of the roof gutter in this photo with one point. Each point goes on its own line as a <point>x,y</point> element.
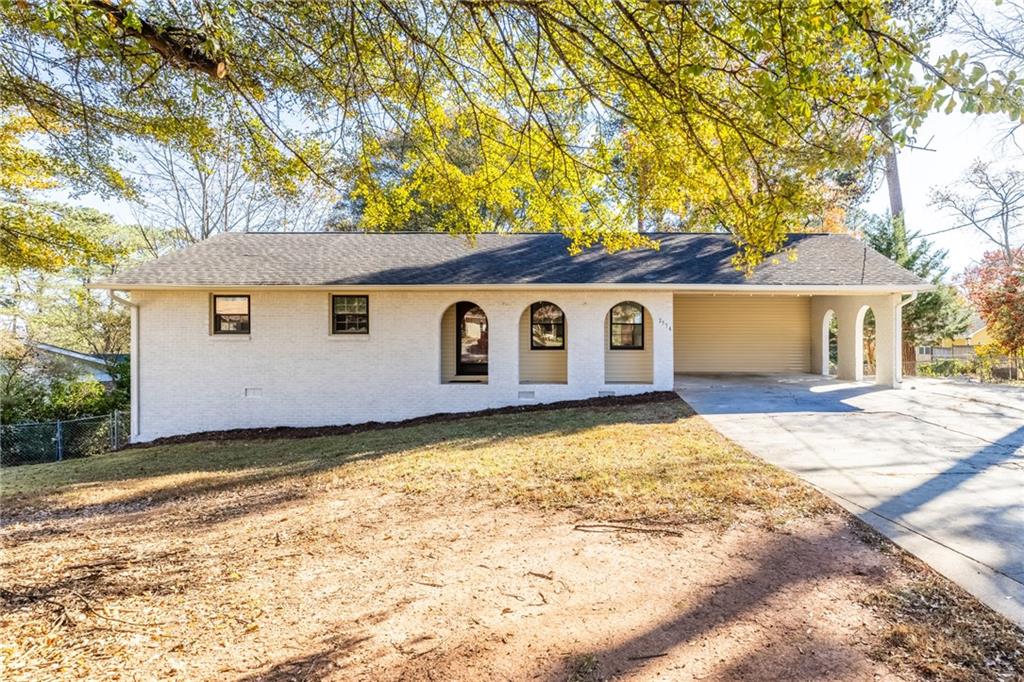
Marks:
<point>802,289</point>
<point>115,296</point>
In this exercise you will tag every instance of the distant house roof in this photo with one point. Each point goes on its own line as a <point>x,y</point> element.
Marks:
<point>975,327</point>
<point>87,358</point>
<point>385,259</point>
<point>96,366</point>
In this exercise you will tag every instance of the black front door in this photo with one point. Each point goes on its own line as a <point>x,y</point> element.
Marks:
<point>471,337</point>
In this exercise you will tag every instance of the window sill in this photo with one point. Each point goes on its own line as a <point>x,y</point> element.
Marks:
<point>629,383</point>
<point>230,337</point>
<point>349,337</point>
<point>465,382</point>
<point>543,383</point>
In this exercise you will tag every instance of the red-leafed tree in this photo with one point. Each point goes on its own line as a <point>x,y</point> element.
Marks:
<point>996,288</point>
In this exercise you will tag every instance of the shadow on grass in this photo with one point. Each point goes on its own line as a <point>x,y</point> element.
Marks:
<point>222,466</point>
<point>311,666</point>
<point>775,574</point>
<point>784,565</point>
<point>779,570</point>
<point>119,574</point>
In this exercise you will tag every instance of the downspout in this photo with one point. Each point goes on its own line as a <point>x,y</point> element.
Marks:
<point>135,358</point>
<point>899,334</point>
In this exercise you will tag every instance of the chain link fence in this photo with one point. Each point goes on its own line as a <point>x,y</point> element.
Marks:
<point>37,442</point>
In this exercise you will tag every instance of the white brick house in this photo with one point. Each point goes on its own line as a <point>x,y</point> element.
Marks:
<point>261,329</point>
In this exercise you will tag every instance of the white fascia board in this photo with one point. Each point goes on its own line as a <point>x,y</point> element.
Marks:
<point>813,289</point>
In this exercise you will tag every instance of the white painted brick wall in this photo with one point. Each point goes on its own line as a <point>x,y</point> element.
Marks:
<point>189,380</point>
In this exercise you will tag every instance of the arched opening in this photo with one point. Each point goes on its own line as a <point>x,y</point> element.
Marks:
<point>629,341</point>
<point>464,344</point>
<point>830,344</point>
<point>865,343</point>
<point>543,344</point>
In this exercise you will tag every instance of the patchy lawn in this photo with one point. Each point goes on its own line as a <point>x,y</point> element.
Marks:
<point>584,543</point>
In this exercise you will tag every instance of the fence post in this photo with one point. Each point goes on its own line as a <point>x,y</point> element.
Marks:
<point>113,430</point>
<point>60,441</point>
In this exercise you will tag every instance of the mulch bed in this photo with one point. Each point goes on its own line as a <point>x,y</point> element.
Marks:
<point>276,432</point>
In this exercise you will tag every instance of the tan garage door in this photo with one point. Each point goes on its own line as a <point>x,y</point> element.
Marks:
<point>751,334</point>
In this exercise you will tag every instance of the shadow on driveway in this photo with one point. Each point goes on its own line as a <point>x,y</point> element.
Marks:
<point>937,467</point>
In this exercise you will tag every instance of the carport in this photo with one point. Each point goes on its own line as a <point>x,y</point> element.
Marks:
<point>783,331</point>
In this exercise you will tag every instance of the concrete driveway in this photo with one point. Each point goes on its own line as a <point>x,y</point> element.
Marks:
<point>937,466</point>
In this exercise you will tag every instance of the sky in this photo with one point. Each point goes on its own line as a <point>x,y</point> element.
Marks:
<point>957,140</point>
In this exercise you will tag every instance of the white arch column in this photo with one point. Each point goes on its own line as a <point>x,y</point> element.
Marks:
<point>820,322</point>
<point>503,342</point>
<point>888,341</point>
<point>851,341</point>
<point>584,318</point>
<point>849,311</point>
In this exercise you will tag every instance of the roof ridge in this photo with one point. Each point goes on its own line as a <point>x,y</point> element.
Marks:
<point>552,233</point>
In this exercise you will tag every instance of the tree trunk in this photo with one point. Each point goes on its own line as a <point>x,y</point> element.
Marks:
<point>899,226</point>
<point>892,173</point>
<point>909,358</point>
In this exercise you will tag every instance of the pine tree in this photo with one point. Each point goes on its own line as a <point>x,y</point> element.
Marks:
<point>935,315</point>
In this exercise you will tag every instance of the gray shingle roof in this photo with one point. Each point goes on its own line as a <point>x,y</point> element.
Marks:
<point>328,259</point>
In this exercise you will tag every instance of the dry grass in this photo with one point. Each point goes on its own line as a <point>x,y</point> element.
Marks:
<point>582,668</point>
<point>937,630</point>
<point>942,633</point>
<point>647,460</point>
<point>187,534</point>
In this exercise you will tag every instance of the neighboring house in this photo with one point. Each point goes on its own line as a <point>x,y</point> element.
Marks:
<point>961,348</point>
<point>268,329</point>
<point>82,365</point>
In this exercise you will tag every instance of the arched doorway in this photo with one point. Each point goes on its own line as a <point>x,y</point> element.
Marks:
<point>464,343</point>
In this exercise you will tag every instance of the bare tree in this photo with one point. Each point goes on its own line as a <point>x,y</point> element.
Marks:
<point>196,195</point>
<point>993,205</point>
<point>995,36</point>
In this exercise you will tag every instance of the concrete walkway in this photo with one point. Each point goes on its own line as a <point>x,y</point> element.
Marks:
<point>938,466</point>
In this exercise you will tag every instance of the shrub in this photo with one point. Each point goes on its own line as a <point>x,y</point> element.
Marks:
<point>948,368</point>
<point>77,398</point>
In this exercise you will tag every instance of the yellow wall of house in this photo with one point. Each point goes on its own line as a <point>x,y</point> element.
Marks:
<point>980,338</point>
<point>448,333</point>
<point>541,366</point>
<point>629,366</point>
<point>740,333</point>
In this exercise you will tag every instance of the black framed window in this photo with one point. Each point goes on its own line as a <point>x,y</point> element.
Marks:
<point>230,314</point>
<point>547,327</point>
<point>627,326</point>
<point>350,315</point>
<point>471,353</point>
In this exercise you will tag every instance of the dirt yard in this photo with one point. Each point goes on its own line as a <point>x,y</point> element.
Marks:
<point>628,543</point>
